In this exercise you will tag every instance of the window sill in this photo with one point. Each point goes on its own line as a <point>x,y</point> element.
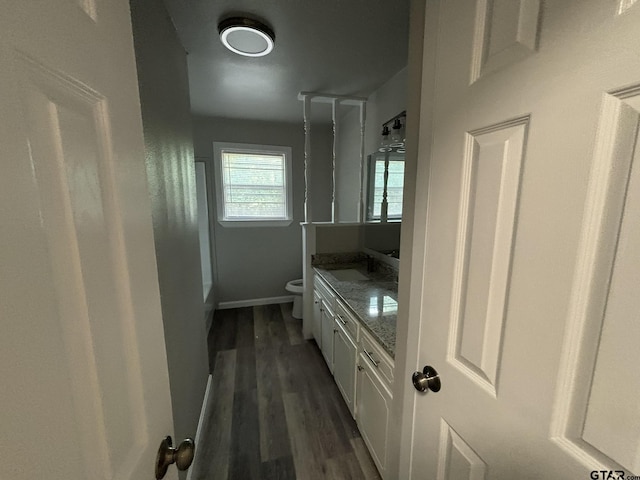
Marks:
<point>255,223</point>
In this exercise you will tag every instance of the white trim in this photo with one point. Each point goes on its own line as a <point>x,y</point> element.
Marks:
<point>308,249</point>
<point>318,97</point>
<point>331,224</point>
<point>363,199</point>
<point>306,115</point>
<point>425,26</point>
<point>335,106</point>
<point>255,301</point>
<point>203,412</point>
<point>255,223</point>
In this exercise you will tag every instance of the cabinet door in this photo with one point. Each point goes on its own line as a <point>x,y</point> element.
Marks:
<point>345,353</point>
<point>373,403</point>
<point>317,319</point>
<point>327,334</point>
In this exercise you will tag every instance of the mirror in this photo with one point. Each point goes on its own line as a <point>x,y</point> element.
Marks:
<point>384,211</point>
<point>385,182</point>
<point>383,238</point>
<point>385,185</point>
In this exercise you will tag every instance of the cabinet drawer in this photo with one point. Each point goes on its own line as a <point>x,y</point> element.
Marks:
<point>324,291</point>
<point>347,320</point>
<point>377,358</point>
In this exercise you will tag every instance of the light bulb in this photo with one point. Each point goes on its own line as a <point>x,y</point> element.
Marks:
<point>384,143</point>
<point>396,137</point>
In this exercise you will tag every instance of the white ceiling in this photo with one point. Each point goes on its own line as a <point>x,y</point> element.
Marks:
<point>348,47</point>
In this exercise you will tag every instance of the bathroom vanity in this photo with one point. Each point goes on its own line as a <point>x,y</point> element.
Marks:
<point>354,324</point>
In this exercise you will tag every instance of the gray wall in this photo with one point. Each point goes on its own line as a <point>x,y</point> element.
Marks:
<point>338,238</point>
<point>348,170</point>
<point>382,236</point>
<point>386,102</point>
<point>164,96</point>
<point>257,262</point>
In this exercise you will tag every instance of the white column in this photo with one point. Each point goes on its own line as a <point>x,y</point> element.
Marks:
<point>306,112</point>
<point>335,217</point>
<point>309,249</point>
<point>384,208</point>
<point>363,174</point>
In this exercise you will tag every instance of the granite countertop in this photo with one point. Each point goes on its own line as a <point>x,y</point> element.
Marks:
<point>374,301</point>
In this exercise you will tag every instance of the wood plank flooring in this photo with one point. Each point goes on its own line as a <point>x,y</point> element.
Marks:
<point>274,411</point>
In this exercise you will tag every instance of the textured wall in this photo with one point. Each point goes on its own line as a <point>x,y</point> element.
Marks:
<point>386,102</point>
<point>257,262</point>
<point>164,96</point>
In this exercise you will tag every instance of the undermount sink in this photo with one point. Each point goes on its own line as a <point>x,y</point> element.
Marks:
<point>348,275</point>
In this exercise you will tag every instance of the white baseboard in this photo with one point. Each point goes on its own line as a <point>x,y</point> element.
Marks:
<point>255,301</point>
<point>203,413</point>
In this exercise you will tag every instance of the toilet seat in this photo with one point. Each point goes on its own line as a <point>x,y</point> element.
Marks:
<point>295,286</point>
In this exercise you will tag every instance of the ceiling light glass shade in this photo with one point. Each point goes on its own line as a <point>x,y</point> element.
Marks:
<point>246,37</point>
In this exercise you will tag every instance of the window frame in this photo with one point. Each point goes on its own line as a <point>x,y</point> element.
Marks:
<point>250,148</point>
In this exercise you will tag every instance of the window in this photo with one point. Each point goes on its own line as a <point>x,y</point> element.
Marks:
<point>253,184</point>
<point>395,185</point>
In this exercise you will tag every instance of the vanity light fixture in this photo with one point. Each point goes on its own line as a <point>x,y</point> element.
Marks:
<point>384,144</point>
<point>395,141</point>
<point>246,37</point>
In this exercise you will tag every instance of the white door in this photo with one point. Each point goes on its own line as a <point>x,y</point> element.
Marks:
<point>531,278</point>
<point>83,368</point>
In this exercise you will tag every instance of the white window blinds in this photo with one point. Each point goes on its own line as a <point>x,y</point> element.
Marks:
<point>395,185</point>
<point>254,185</point>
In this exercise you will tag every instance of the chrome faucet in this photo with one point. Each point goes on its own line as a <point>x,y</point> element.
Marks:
<point>371,264</point>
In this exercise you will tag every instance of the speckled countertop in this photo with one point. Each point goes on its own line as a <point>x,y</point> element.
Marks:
<point>374,301</point>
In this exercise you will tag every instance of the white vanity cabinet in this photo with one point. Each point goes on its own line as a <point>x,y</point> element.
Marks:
<point>373,398</point>
<point>323,319</point>
<point>327,333</point>
<point>316,326</point>
<point>345,353</point>
<point>362,370</point>
<point>373,405</point>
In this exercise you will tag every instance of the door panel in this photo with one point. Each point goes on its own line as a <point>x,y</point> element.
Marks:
<point>72,167</point>
<point>345,353</point>
<point>83,353</point>
<point>458,461</point>
<point>373,403</point>
<point>490,190</point>
<point>506,31</point>
<point>600,337</point>
<point>529,287</point>
<point>327,334</point>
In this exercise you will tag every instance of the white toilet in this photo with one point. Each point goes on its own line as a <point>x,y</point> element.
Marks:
<point>296,287</point>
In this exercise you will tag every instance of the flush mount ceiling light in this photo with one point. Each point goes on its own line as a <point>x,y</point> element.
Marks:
<point>246,37</point>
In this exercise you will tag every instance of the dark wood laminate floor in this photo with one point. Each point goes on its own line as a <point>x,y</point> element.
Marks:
<point>274,411</point>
